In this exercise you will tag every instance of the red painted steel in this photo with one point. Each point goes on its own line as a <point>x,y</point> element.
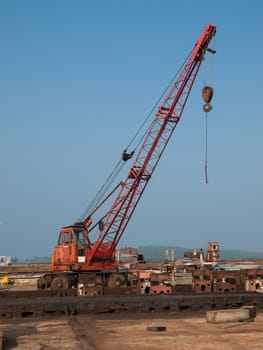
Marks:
<point>74,251</point>
<point>158,135</point>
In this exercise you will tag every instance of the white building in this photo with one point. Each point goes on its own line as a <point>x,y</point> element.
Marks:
<point>5,260</point>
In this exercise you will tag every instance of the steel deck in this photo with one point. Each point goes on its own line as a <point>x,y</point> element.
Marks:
<point>37,305</point>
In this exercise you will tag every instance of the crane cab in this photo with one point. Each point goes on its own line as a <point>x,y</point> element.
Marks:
<point>71,250</point>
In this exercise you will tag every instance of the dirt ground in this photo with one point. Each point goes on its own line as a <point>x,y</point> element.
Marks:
<point>183,331</point>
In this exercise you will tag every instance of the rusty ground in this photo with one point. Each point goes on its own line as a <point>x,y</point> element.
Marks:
<point>121,331</point>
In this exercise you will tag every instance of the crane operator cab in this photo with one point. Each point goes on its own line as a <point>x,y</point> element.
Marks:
<point>71,248</point>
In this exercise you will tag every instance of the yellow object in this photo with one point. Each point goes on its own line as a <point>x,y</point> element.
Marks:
<point>5,280</point>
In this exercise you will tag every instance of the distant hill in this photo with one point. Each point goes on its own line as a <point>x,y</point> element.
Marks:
<point>38,260</point>
<point>157,253</point>
<point>239,255</point>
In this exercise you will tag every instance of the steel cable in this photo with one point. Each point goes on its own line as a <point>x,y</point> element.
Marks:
<point>115,172</point>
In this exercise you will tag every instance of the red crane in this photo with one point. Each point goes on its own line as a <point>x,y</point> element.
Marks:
<point>155,142</point>
<point>75,252</point>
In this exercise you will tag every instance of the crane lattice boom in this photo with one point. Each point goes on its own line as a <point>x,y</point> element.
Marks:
<point>149,154</point>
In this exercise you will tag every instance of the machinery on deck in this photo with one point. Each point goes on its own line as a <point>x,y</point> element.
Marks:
<point>77,259</point>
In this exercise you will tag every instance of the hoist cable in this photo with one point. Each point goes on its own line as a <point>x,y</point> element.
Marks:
<point>153,109</point>
<point>101,192</point>
<point>207,107</point>
<point>206,148</point>
<point>104,188</point>
<point>212,60</point>
<point>204,70</point>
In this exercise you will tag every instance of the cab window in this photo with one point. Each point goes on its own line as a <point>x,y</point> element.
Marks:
<point>79,236</point>
<point>67,237</point>
<point>60,239</point>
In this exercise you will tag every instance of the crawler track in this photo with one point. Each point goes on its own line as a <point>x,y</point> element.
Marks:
<point>20,306</point>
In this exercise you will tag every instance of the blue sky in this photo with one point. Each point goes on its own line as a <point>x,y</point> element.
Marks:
<point>77,80</point>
